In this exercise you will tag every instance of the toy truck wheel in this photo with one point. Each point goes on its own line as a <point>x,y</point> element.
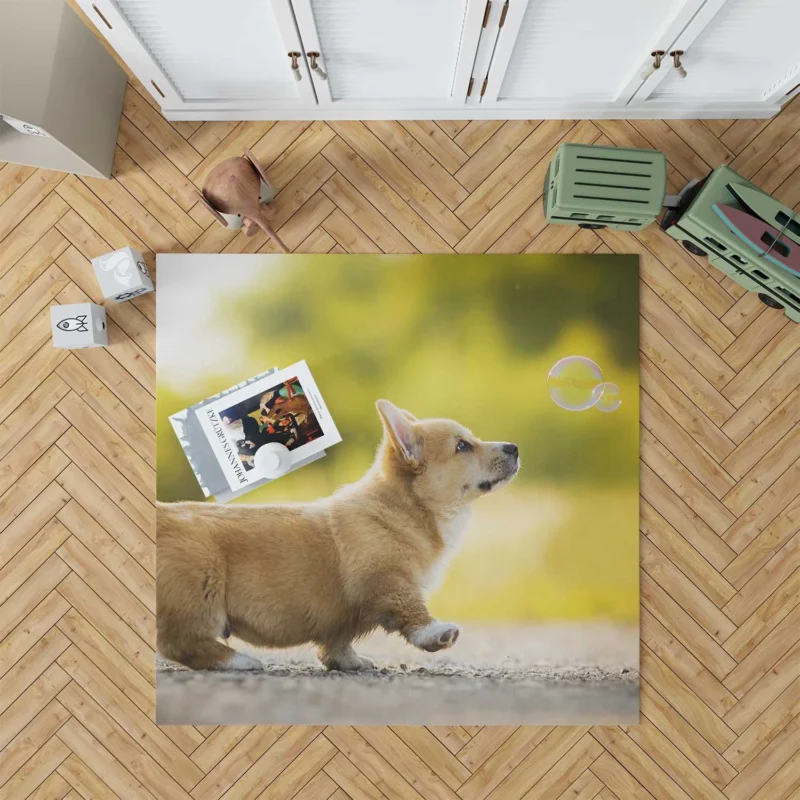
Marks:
<point>693,248</point>
<point>592,226</point>
<point>769,301</point>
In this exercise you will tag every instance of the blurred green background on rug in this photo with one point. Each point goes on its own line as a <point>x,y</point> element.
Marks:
<point>471,337</point>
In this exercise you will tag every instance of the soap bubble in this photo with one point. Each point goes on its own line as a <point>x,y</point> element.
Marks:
<point>609,399</point>
<point>574,383</point>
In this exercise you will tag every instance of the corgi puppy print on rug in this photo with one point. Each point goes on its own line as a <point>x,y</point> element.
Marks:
<point>330,571</point>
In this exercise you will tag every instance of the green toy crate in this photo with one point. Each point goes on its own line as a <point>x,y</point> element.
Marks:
<point>702,232</point>
<point>605,187</point>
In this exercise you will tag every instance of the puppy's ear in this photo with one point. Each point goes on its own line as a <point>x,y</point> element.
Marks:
<point>402,432</point>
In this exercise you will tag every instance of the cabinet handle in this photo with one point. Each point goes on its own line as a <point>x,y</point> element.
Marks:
<point>657,56</point>
<point>295,66</point>
<point>100,14</point>
<point>676,58</point>
<point>317,70</point>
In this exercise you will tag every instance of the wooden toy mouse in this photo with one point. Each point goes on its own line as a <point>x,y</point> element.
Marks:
<point>233,187</point>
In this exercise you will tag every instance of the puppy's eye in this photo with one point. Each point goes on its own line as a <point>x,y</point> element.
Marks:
<point>462,446</point>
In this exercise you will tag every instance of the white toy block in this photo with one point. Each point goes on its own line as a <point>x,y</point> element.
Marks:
<point>78,325</point>
<point>122,275</point>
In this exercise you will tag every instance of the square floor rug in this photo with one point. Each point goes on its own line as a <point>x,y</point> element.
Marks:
<point>398,489</point>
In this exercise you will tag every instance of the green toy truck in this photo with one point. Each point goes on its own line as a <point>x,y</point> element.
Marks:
<point>608,187</point>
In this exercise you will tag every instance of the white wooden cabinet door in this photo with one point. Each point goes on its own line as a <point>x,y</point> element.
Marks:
<point>207,54</point>
<point>734,51</point>
<point>390,54</point>
<point>553,54</point>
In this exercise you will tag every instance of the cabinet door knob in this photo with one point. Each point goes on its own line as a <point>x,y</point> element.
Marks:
<point>657,56</point>
<point>315,68</point>
<point>676,58</point>
<point>295,65</point>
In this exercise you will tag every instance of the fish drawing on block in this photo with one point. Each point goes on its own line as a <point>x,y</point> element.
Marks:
<point>77,324</point>
<point>763,238</point>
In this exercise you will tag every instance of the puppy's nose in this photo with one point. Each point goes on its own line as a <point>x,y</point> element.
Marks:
<point>511,449</point>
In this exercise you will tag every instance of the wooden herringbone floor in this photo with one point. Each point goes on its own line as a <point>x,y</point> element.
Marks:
<point>720,402</point>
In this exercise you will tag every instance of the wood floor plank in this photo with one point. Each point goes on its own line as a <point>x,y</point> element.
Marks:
<point>767,508</point>
<point>684,519</point>
<point>499,182</point>
<point>84,782</point>
<point>26,198</point>
<point>132,753</point>
<point>159,131</point>
<point>675,583</point>
<point>685,376</point>
<point>684,556</point>
<point>38,294</point>
<point>107,224</point>
<point>771,137</point>
<point>660,424</point>
<point>514,750</point>
<point>426,168</point>
<point>231,768</point>
<point>30,629</point>
<point>31,230</point>
<point>112,588</point>
<point>682,481</point>
<point>142,187</point>
<point>660,715</point>
<point>476,133</point>
<point>209,135</point>
<point>32,718</point>
<point>143,152</point>
<point>12,176</point>
<point>370,222</point>
<point>763,401</point>
<point>86,385</point>
<point>683,411</point>
<point>135,215</point>
<point>639,764</point>
<point>79,450</point>
<point>81,597</point>
<point>106,549</point>
<point>347,776</point>
<point>36,770</point>
<point>497,148</point>
<point>756,621</point>
<point>437,143</point>
<point>778,425</point>
<point>283,167</point>
<point>688,704</point>
<point>379,168</point>
<point>22,750</point>
<point>30,267</point>
<point>101,762</point>
<point>763,365</point>
<point>31,593</point>
<point>692,635</point>
<point>109,443</point>
<point>32,419</point>
<point>700,354</point>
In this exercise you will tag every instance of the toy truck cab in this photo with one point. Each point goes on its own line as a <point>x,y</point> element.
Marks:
<point>703,232</point>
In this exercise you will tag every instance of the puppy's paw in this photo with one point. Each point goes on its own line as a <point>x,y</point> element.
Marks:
<point>348,661</point>
<point>360,663</point>
<point>243,662</point>
<point>435,636</point>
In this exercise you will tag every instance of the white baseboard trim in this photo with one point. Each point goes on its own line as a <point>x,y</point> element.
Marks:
<point>650,111</point>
